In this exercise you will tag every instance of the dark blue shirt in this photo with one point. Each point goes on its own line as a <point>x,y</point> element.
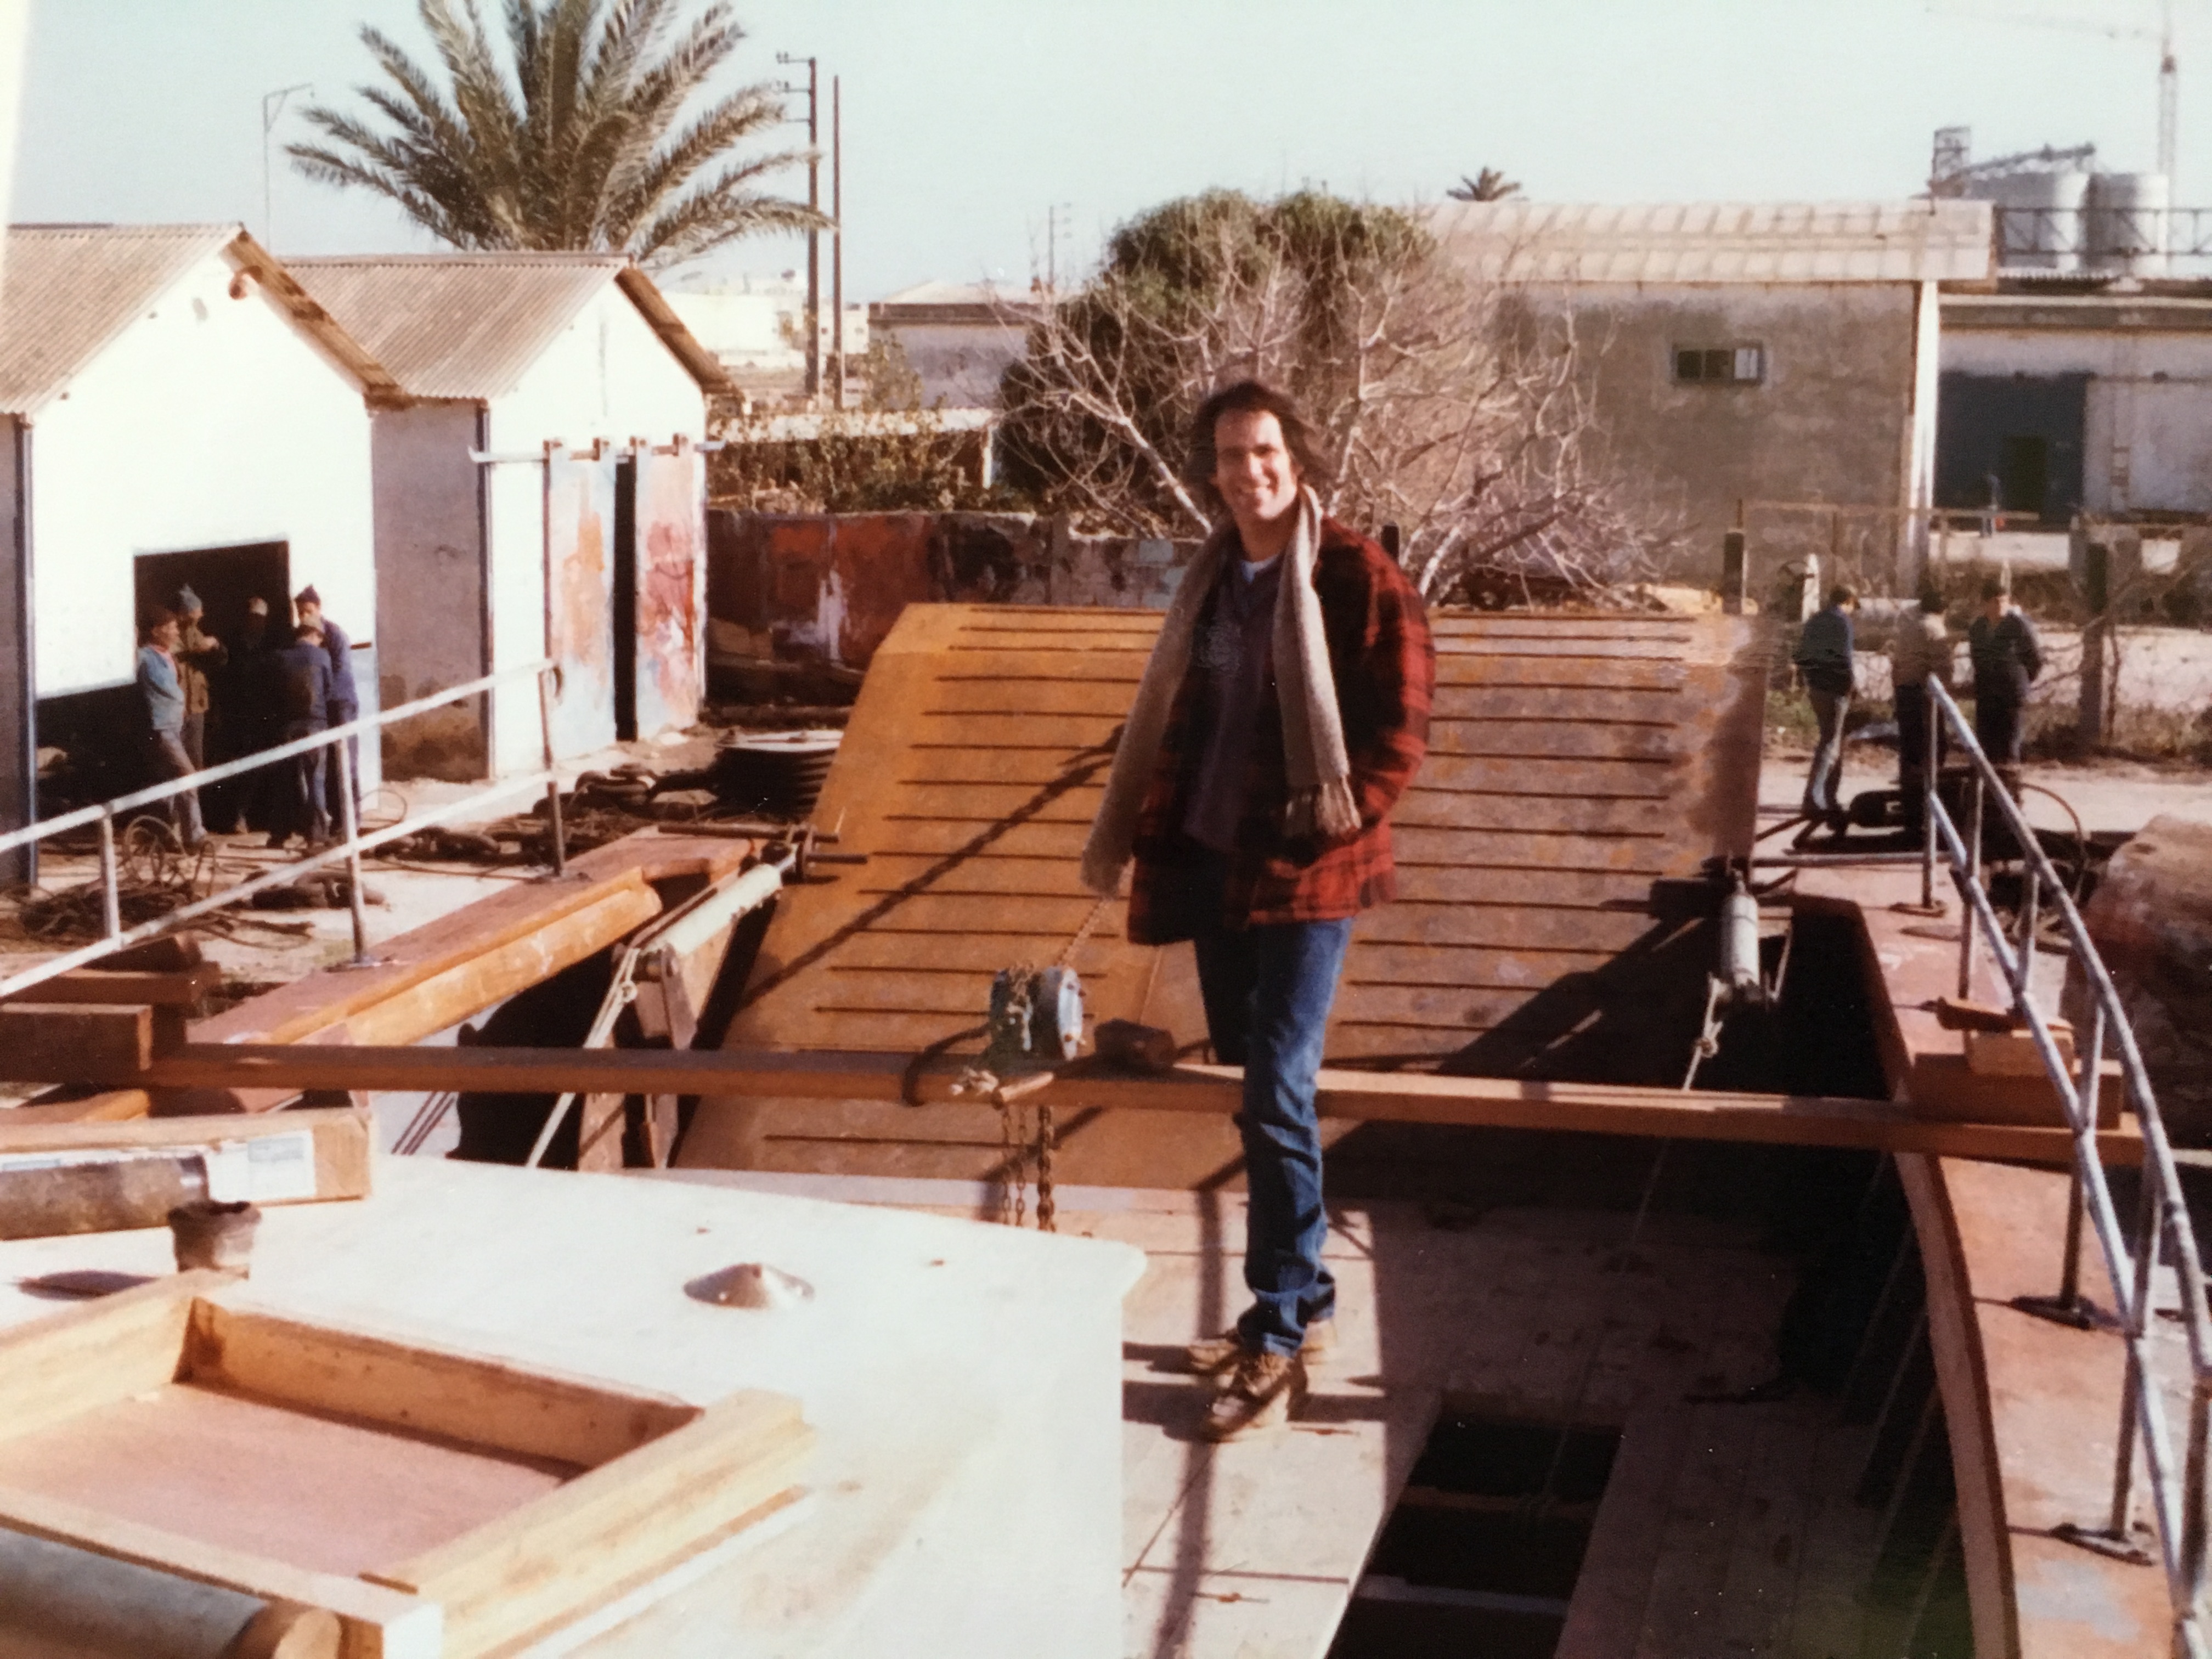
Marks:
<point>1235,651</point>
<point>344,699</point>
<point>304,671</point>
<point>1824,651</point>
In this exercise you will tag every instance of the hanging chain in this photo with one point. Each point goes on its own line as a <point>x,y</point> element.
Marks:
<point>1048,1210</point>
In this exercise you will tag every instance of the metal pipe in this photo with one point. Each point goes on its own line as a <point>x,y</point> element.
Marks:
<point>154,793</point>
<point>2137,1319</point>
<point>1932,763</point>
<point>1974,879</point>
<point>556,834</point>
<point>2029,904</point>
<point>349,823</point>
<point>53,967</point>
<point>1831,860</point>
<point>2178,1494</point>
<point>111,896</point>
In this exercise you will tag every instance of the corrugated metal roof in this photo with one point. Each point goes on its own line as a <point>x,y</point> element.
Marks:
<point>70,289</point>
<point>469,324</point>
<point>1702,242</point>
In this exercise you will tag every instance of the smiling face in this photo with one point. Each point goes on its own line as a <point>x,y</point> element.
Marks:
<point>1253,470</point>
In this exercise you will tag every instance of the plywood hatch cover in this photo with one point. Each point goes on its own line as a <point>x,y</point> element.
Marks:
<point>1573,759</point>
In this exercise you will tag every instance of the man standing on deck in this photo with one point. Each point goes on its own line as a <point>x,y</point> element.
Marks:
<point>2007,658</point>
<point>303,676</point>
<point>163,695</point>
<point>1283,710</point>
<point>345,704</point>
<point>1824,660</point>
<point>1920,652</point>
<point>199,654</point>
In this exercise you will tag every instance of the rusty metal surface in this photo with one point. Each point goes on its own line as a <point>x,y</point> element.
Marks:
<point>1573,761</point>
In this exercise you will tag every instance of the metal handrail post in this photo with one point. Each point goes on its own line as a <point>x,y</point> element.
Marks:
<point>110,882</point>
<point>1973,876</point>
<point>2030,904</point>
<point>2136,1318</point>
<point>349,823</point>
<point>2091,1077</point>
<point>1931,763</point>
<point>554,829</point>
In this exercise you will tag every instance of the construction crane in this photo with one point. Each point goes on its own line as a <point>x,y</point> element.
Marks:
<point>2169,68</point>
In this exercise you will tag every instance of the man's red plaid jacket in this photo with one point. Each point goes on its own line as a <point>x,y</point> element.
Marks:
<point>1384,664</point>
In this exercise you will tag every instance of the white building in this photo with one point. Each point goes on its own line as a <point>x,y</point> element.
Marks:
<point>541,494</point>
<point>958,337</point>
<point>178,411</point>
<point>2059,403</point>
<point>758,333</point>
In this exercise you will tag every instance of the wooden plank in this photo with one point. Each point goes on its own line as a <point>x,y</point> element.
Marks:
<point>343,1136</point>
<point>178,987</point>
<point>82,1357</point>
<point>606,1530</point>
<point>376,1621</point>
<point>1406,1097</point>
<point>36,1036</point>
<point>482,1402</point>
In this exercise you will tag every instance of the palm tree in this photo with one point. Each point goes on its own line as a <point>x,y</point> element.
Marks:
<point>577,146</point>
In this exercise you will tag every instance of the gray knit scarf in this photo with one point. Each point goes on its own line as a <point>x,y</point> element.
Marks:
<point>1320,800</point>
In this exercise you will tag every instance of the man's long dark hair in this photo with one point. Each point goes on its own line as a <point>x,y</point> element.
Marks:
<point>1300,436</point>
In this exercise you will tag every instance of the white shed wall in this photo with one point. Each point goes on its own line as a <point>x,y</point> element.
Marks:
<point>606,376</point>
<point>210,421</point>
<point>2147,437</point>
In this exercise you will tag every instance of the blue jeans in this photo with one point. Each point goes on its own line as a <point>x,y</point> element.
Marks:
<point>1829,709</point>
<point>1267,993</point>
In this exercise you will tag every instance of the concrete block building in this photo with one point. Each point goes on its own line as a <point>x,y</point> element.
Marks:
<point>542,494</point>
<point>1772,365</point>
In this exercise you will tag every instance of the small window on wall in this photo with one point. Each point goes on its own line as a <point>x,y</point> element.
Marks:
<point>1737,365</point>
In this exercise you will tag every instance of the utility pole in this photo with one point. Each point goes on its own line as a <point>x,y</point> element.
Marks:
<point>813,237</point>
<point>272,110</point>
<point>838,244</point>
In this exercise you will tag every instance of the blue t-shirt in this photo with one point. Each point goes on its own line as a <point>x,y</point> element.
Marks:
<point>163,692</point>
<point>1235,651</point>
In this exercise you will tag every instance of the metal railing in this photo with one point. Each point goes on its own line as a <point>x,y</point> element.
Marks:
<point>350,845</point>
<point>2177,1491</point>
<point>2093,240</point>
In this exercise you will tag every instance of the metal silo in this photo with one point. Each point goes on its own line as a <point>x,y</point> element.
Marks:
<point>2129,221</point>
<point>2039,218</point>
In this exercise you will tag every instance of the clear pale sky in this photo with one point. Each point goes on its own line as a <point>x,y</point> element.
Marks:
<point>966,120</point>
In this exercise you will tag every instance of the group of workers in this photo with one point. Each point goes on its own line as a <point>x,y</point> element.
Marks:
<point>277,685</point>
<point>2006,655</point>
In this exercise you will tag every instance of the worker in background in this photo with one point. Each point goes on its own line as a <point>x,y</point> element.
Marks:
<point>345,698</point>
<point>199,654</point>
<point>1824,658</point>
<point>1920,652</point>
<point>162,692</point>
<point>248,716</point>
<point>303,679</point>
<point>2007,658</point>
<point>1283,711</point>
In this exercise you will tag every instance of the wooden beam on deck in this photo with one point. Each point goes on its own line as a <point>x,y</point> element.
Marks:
<point>1386,1096</point>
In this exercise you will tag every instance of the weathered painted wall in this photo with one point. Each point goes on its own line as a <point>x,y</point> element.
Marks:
<point>671,588</point>
<point>1834,418</point>
<point>431,621</point>
<point>607,379</point>
<point>210,421</point>
<point>2146,422</point>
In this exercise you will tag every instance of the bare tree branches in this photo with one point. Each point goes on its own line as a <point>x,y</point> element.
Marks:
<point>1454,407</point>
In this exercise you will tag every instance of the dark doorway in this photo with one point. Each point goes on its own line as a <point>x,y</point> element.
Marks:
<point>2024,472</point>
<point>225,578</point>
<point>626,599</point>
